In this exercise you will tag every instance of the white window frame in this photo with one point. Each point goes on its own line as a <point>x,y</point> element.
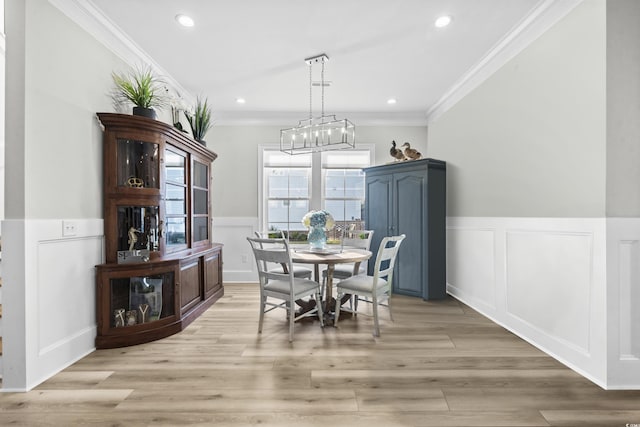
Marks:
<point>317,182</point>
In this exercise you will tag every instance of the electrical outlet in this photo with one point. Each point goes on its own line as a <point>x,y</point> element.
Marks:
<point>69,228</point>
<point>244,259</point>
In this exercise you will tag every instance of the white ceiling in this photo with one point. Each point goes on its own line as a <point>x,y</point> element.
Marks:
<point>378,49</point>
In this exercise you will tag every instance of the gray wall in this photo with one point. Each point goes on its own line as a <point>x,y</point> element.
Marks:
<point>530,141</point>
<point>623,108</point>
<point>235,172</point>
<point>58,77</point>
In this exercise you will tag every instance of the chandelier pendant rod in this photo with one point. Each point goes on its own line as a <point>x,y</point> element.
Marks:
<point>317,133</point>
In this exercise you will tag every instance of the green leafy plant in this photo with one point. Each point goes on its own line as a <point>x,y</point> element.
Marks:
<point>200,119</point>
<point>298,236</point>
<point>141,87</point>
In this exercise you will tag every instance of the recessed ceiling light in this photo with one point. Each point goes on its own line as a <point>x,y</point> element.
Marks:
<point>391,101</point>
<point>240,100</point>
<point>443,21</point>
<point>185,21</point>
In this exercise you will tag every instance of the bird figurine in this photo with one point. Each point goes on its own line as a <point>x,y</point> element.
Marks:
<point>396,153</point>
<point>411,153</point>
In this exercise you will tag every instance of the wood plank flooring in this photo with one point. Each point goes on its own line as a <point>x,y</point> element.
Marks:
<point>439,364</point>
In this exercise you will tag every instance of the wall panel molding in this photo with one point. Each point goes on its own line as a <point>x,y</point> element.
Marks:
<point>548,282</point>
<point>49,284</point>
<point>237,257</point>
<point>623,302</point>
<point>551,269</point>
<point>477,282</point>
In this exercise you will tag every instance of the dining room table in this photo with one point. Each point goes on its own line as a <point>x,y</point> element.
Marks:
<point>329,257</point>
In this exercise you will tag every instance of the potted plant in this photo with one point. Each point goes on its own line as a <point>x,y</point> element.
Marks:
<point>141,87</point>
<point>200,120</point>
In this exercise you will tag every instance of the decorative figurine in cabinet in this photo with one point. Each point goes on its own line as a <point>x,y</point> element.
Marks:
<point>157,218</point>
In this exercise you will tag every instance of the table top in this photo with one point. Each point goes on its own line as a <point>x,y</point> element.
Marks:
<point>346,256</point>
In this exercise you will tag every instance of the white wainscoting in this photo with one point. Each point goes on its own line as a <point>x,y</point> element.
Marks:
<point>569,286</point>
<point>623,296</point>
<point>544,279</point>
<point>49,297</point>
<point>237,257</point>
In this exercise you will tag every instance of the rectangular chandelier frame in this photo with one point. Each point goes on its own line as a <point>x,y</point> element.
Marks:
<point>318,134</point>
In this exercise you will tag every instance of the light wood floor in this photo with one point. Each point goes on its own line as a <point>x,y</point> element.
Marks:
<point>438,364</point>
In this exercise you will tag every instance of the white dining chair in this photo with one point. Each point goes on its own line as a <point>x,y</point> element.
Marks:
<point>377,287</point>
<point>358,239</point>
<point>298,271</point>
<point>283,286</point>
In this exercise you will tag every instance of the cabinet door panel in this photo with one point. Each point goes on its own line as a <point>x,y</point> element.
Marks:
<point>377,211</point>
<point>189,285</point>
<point>410,216</point>
<point>212,280</point>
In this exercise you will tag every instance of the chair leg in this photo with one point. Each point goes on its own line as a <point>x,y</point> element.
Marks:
<point>337,312</point>
<point>319,308</point>
<point>292,318</point>
<point>376,326</point>
<point>389,306</point>
<point>263,303</point>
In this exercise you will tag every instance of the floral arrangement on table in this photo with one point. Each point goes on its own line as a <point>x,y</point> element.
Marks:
<point>318,222</point>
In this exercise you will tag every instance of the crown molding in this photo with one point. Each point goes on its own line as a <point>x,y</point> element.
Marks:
<point>541,18</point>
<point>91,19</point>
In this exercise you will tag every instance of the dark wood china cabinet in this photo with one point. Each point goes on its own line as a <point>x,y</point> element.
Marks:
<point>162,269</point>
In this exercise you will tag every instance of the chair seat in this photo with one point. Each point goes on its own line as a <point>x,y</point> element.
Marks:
<point>300,286</point>
<point>360,284</point>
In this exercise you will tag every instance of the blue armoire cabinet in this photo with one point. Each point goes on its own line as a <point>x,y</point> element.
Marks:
<point>410,198</point>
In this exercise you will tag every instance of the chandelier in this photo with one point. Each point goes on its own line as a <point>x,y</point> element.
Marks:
<point>318,133</point>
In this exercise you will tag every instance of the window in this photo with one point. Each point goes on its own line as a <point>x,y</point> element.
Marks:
<point>293,185</point>
<point>343,183</point>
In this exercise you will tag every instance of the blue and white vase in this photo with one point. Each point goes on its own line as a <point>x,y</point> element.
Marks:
<point>317,237</point>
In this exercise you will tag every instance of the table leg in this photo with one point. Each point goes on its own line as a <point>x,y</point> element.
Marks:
<point>311,304</point>
<point>329,288</point>
<point>316,272</point>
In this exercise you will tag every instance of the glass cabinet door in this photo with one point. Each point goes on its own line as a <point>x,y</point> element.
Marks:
<point>175,201</point>
<point>137,164</point>
<point>138,300</point>
<point>200,221</point>
<point>138,228</point>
